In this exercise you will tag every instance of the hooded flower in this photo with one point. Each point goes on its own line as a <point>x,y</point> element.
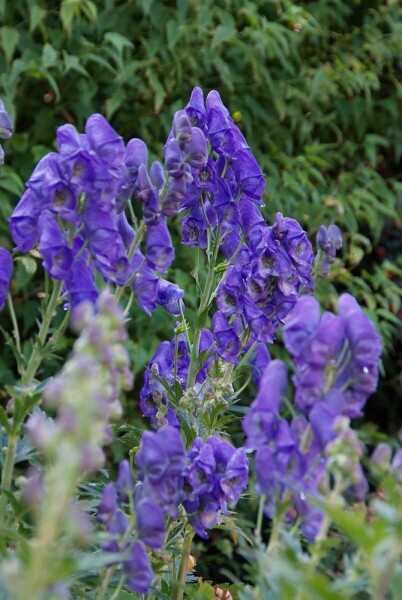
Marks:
<point>6,271</point>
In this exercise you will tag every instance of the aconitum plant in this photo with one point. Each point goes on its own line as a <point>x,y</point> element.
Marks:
<point>99,216</point>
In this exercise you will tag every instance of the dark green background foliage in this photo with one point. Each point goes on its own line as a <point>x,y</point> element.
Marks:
<point>315,86</point>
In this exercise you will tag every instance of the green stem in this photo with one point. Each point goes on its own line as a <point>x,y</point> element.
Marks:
<point>139,234</point>
<point>62,327</point>
<point>14,321</point>
<point>7,474</point>
<point>105,583</point>
<point>36,356</point>
<point>26,379</point>
<point>183,565</point>
<point>204,304</point>
<point>260,516</point>
<point>129,304</point>
<point>118,589</point>
<point>275,532</point>
<point>192,371</point>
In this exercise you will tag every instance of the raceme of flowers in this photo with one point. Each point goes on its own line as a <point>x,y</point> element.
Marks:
<point>336,360</point>
<point>205,480</point>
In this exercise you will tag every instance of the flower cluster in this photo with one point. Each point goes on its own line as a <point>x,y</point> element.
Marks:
<point>168,366</point>
<point>229,174</point>
<point>160,461</point>
<point>269,264</point>
<point>73,209</point>
<point>136,564</point>
<point>336,359</point>
<point>216,475</point>
<point>263,284</point>
<point>204,480</point>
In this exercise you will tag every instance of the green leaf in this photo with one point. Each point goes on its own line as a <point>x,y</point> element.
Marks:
<point>115,101</point>
<point>223,33</point>
<point>49,56</point>
<point>172,33</point>
<point>69,9</point>
<point>9,38</point>
<point>30,264</point>
<point>203,590</point>
<point>72,63</point>
<point>118,41</point>
<point>4,420</point>
<point>201,320</point>
<point>37,15</point>
<point>396,584</point>
<point>158,89</point>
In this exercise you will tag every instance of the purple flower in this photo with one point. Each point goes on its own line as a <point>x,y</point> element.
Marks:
<point>196,108</point>
<point>227,342</point>
<point>170,297</point>
<point>249,175</point>
<point>230,293</point>
<point>382,455</point>
<point>104,140</point>
<point>260,422</point>
<point>333,353</point>
<point>150,523</point>
<point>5,128</point>
<point>301,323</point>
<point>138,571</point>
<point>200,473</point>
<point>136,155</point>
<point>159,247</point>
<point>216,475</point>
<point>236,476</point>
<point>6,271</point>
<point>182,130</point>
<point>80,284</point>
<point>259,361</point>
<point>24,221</point>
<point>152,458</point>
<point>328,241</point>
<point>108,505</point>
<point>145,284</point>
<point>196,150</point>
<point>53,247</point>
<point>116,528</point>
<point>125,482</point>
